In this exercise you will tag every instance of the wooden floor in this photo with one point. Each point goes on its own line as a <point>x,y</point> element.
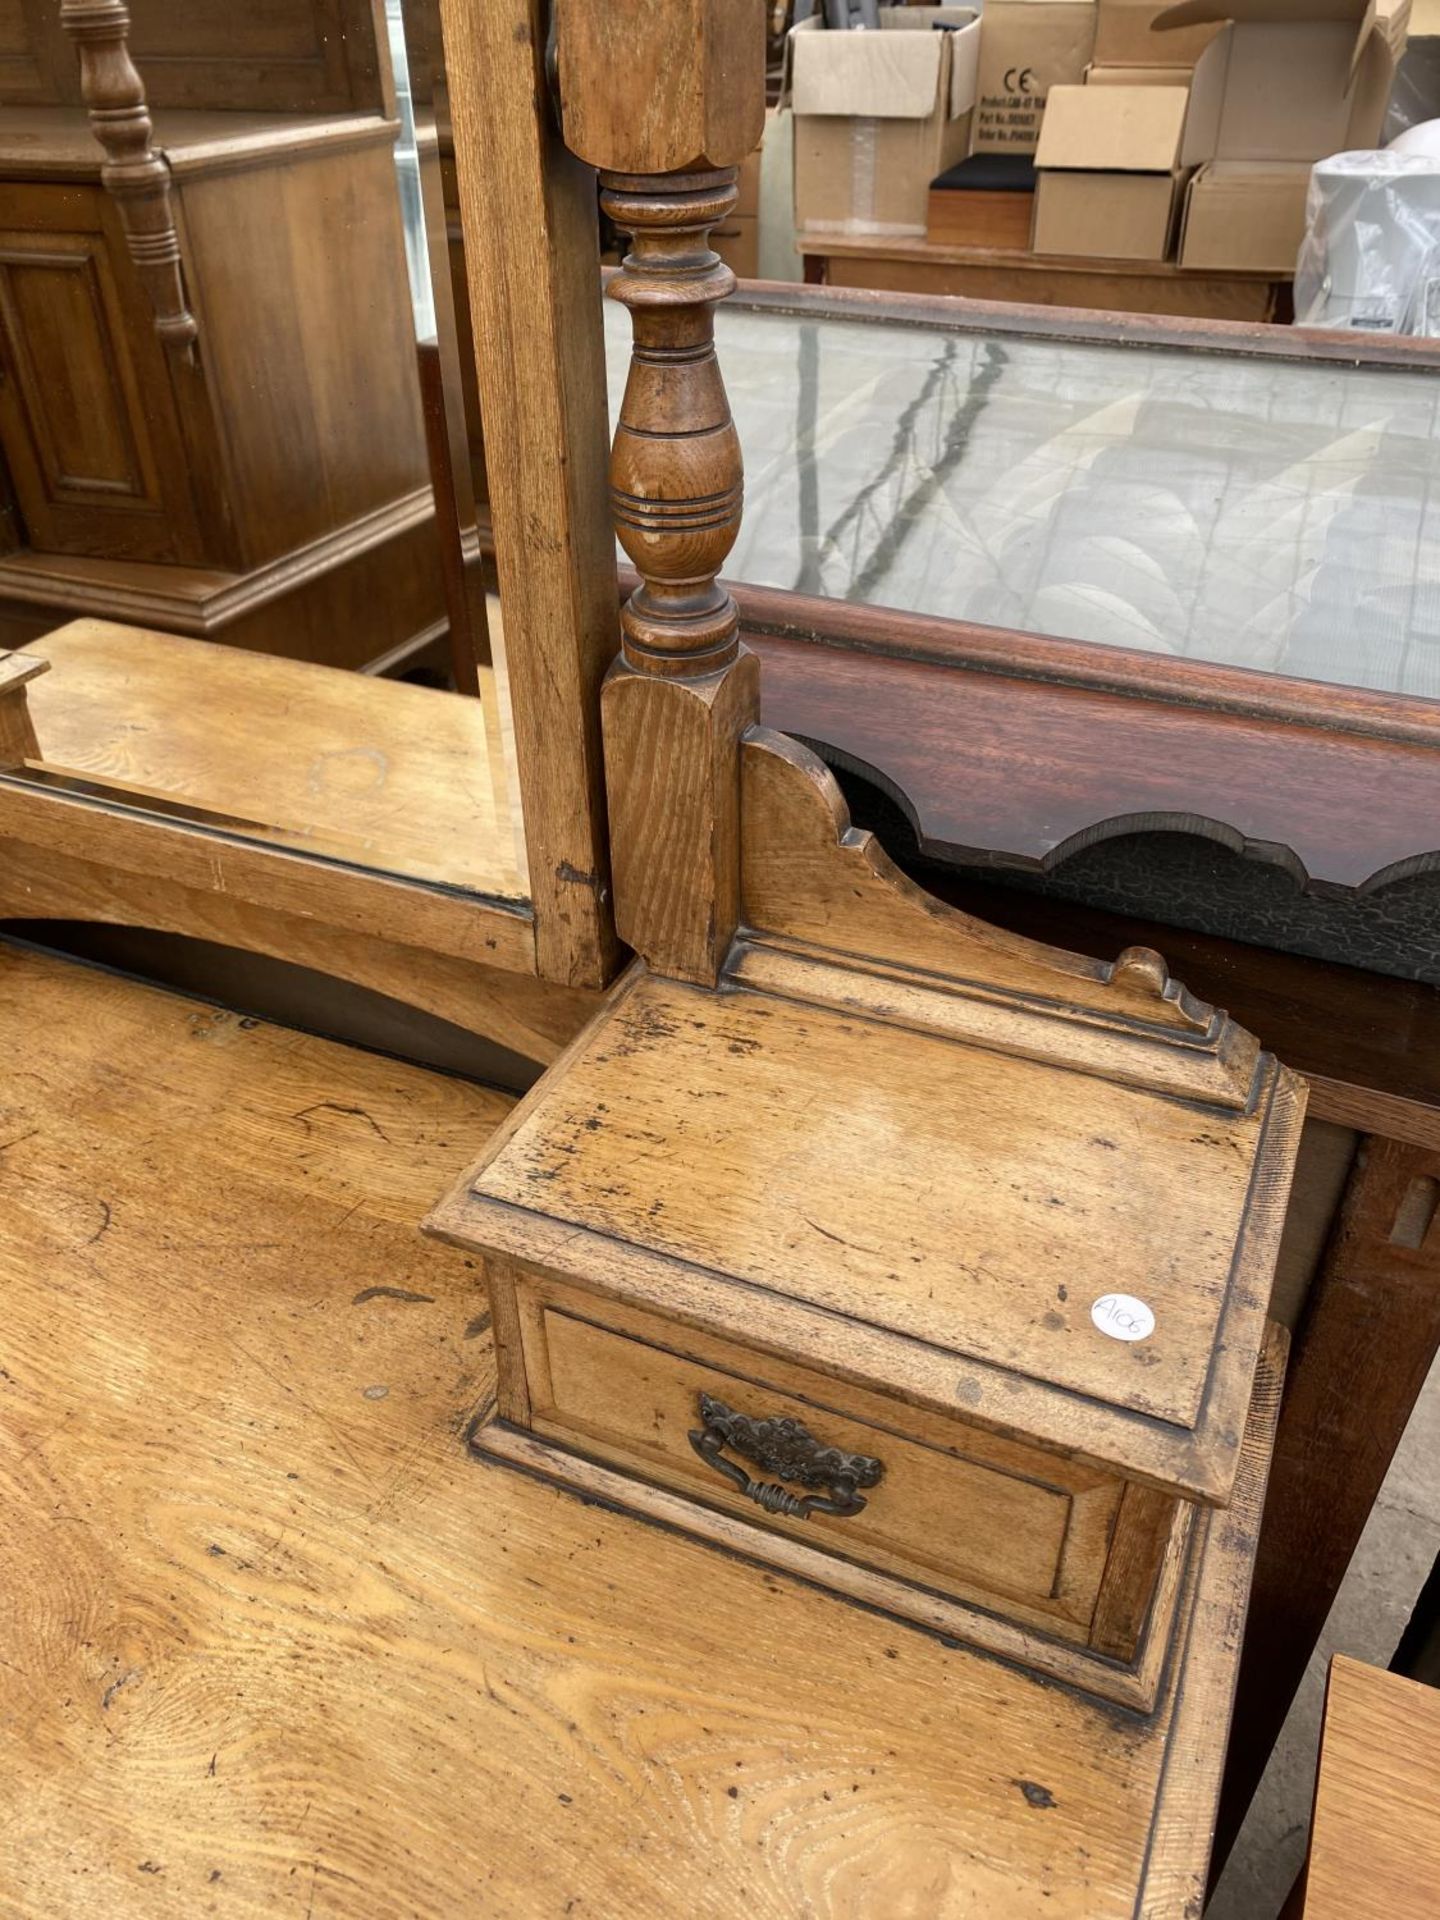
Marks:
<point>273,1644</point>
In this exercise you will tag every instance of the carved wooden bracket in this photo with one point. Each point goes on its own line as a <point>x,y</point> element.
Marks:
<point>134,174</point>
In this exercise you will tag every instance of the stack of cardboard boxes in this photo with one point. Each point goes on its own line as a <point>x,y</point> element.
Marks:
<point>1144,131</point>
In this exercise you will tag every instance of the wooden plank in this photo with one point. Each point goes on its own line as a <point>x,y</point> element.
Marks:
<point>1007,276</point>
<point>1361,1356</point>
<point>1078,324</point>
<point>282,1647</point>
<point>531,1017</point>
<point>533,269</point>
<point>1375,1837</point>
<point>662,86</point>
<point>382,774</point>
<point>1019,773</point>
<point>408,912</point>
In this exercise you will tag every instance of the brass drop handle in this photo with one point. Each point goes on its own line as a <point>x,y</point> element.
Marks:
<point>785,1447</point>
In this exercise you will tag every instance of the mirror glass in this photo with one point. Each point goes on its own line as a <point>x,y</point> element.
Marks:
<point>1278,514</point>
<point>242,499</point>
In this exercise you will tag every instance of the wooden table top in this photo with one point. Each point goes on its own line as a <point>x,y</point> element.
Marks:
<point>277,1646</point>
<point>1375,1848</point>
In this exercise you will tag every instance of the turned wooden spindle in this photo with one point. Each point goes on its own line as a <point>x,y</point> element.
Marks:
<point>134,174</point>
<point>666,98</point>
<point>676,479</point>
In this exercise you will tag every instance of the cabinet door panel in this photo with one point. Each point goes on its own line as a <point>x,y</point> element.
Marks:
<point>72,411</point>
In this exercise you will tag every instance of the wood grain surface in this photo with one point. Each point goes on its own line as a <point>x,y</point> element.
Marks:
<point>1363,1351</point>
<point>1375,1838</point>
<point>1368,1045</point>
<point>274,1646</point>
<point>530,1017</point>
<point>375,772</point>
<point>528,209</point>
<point>662,86</point>
<point>1015,772</point>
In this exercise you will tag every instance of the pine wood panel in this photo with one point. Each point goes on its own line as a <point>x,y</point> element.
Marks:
<point>296,268</point>
<point>1375,1837</point>
<point>280,1647</point>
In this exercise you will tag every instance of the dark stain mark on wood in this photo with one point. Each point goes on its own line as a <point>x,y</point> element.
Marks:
<point>123,1680</point>
<point>1035,1794</point>
<point>104,1226</point>
<point>391,1293</point>
<point>573,875</point>
<point>480,1324</point>
<point>335,1106</point>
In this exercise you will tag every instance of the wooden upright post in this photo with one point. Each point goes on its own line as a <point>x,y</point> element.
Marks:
<point>666,98</point>
<point>533,266</point>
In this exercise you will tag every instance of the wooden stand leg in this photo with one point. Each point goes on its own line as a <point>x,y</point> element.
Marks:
<point>1360,1359</point>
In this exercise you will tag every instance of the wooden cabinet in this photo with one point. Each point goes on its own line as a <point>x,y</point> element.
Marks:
<point>953,1309</point>
<point>304,56</point>
<point>88,419</point>
<point>210,415</point>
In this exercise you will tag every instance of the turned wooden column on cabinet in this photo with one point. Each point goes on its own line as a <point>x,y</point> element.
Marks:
<point>855,1236</point>
<point>209,416</point>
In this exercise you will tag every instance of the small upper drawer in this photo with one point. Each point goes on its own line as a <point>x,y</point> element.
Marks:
<point>954,1509</point>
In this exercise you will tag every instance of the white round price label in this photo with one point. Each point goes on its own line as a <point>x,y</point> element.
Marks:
<point>1123,1317</point>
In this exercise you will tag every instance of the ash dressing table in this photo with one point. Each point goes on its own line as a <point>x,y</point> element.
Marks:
<point>922,1261</point>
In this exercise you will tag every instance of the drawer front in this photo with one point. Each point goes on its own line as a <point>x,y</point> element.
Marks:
<point>954,1509</point>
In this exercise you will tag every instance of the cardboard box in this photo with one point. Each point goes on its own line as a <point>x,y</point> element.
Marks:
<point>878,115</point>
<point>1245,214</point>
<point>738,244</point>
<point>987,201</point>
<point>1280,84</point>
<point>1282,88</point>
<point>1027,47</point>
<point>1108,172</point>
<point>1125,35</point>
<point>747,186</point>
<point>1138,76</point>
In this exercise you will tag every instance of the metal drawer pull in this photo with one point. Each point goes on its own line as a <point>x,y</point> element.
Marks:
<point>783,1446</point>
